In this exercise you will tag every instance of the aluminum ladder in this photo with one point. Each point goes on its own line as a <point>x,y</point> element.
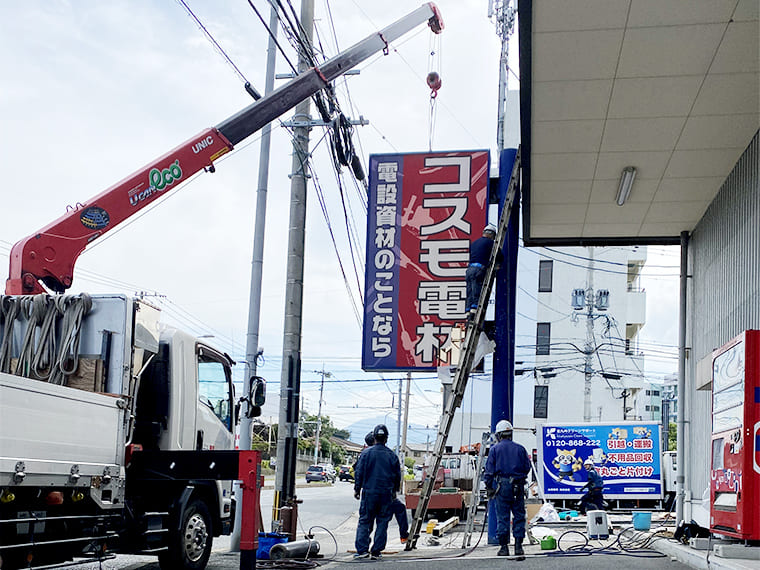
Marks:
<point>475,497</point>
<point>465,359</point>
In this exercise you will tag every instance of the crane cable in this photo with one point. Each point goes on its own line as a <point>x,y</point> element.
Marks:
<point>433,81</point>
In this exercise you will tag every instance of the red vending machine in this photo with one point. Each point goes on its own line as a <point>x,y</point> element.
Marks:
<point>735,467</point>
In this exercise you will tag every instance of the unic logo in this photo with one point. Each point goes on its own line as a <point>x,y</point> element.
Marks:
<point>159,180</point>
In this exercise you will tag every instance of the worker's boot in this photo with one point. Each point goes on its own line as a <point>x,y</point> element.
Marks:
<point>504,550</point>
<point>519,552</point>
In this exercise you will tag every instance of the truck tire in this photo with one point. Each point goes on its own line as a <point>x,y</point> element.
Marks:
<point>190,547</point>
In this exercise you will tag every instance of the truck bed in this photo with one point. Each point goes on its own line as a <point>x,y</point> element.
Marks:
<point>54,429</point>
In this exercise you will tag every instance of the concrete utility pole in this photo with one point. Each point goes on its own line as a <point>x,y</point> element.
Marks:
<point>254,302</point>
<point>589,300</point>
<point>319,412</point>
<point>290,383</point>
<point>406,411</point>
<point>504,14</point>
<point>589,337</point>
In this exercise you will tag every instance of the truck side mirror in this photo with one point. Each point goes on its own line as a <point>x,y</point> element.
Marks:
<point>257,396</point>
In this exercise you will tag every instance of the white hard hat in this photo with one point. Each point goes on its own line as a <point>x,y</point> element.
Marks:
<point>489,228</point>
<point>588,461</point>
<point>503,425</point>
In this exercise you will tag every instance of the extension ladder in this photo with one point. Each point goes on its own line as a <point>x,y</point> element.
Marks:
<point>475,497</point>
<point>465,360</point>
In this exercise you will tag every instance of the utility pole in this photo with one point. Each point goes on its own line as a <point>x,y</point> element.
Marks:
<point>504,14</point>
<point>406,411</point>
<point>398,420</point>
<point>589,300</point>
<point>589,337</point>
<point>319,412</point>
<point>257,262</point>
<point>625,395</point>
<point>290,379</point>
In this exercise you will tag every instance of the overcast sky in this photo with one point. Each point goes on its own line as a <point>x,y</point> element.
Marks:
<point>95,90</point>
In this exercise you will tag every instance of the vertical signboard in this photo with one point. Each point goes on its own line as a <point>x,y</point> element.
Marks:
<point>626,455</point>
<point>424,209</point>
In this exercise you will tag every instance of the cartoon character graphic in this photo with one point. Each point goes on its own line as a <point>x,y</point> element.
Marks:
<point>642,432</point>
<point>566,463</point>
<point>619,433</point>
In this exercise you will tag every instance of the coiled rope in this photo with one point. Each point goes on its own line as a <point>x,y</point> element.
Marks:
<point>34,309</point>
<point>9,308</point>
<point>74,308</point>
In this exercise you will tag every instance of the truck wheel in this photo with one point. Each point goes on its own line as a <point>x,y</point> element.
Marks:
<point>190,547</point>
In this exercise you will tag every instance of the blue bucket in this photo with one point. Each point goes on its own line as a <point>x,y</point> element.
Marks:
<point>266,542</point>
<point>642,520</point>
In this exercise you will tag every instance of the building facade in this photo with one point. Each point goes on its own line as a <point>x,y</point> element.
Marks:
<point>587,364</point>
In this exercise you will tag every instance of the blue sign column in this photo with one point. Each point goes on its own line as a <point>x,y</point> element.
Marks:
<point>503,385</point>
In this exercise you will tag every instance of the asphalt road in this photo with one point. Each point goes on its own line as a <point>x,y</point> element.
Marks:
<point>326,506</point>
<point>333,507</point>
<point>592,562</point>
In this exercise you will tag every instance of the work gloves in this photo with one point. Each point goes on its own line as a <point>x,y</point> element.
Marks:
<point>357,495</point>
<point>490,493</point>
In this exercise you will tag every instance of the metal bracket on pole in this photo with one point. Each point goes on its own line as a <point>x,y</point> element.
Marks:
<point>293,75</point>
<point>361,121</point>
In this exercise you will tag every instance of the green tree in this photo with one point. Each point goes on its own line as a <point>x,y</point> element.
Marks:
<point>308,432</point>
<point>672,436</point>
<point>342,433</point>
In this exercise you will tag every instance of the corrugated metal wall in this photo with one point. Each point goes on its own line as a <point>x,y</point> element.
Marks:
<point>724,294</point>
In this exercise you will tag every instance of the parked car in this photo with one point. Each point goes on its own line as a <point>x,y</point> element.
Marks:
<point>346,473</point>
<point>320,473</point>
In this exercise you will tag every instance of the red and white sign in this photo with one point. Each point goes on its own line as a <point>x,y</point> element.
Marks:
<point>424,210</point>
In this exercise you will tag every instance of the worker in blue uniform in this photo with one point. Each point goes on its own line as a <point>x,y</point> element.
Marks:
<point>480,255</point>
<point>593,499</point>
<point>506,469</point>
<point>398,507</point>
<point>378,479</point>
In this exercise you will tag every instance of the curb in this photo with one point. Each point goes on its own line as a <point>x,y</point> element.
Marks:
<point>699,558</point>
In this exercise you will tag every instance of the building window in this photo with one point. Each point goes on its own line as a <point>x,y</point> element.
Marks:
<point>543,337</point>
<point>540,402</point>
<point>653,392</point>
<point>652,408</point>
<point>545,268</point>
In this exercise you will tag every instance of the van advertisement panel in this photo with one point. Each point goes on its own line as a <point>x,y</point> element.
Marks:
<point>626,455</point>
<point>424,209</point>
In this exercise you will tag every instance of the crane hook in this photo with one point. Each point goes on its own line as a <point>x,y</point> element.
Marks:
<point>434,82</point>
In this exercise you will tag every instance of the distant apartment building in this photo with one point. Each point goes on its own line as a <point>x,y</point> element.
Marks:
<point>586,362</point>
<point>586,310</point>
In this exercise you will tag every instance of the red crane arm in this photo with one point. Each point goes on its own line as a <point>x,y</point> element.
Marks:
<point>49,255</point>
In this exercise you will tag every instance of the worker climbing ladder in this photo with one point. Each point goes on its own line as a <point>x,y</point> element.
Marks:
<point>466,358</point>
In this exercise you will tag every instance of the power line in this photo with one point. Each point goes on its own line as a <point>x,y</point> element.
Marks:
<point>213,41</point>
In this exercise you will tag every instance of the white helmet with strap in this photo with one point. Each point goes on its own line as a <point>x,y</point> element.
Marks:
<point>503,426</point>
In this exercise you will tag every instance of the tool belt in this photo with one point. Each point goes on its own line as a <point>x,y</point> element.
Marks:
<point>514,484</point>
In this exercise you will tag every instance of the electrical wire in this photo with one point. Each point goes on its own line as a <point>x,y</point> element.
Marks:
<point>273,36</point>
<point>212,40</point>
